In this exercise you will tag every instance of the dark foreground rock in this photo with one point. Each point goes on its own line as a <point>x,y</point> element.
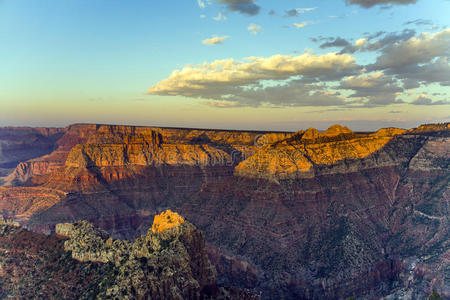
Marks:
<point>83,262</point>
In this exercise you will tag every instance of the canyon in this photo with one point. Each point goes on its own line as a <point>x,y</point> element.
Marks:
<point>286,215</point>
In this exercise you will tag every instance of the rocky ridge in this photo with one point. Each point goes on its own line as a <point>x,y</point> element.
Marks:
<point>169,263</point>
<point>304,154</point>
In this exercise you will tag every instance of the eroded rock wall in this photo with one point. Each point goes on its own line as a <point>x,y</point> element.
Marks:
<point>304,215</point>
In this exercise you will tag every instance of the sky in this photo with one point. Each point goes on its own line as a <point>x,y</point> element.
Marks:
<point>236,64</point>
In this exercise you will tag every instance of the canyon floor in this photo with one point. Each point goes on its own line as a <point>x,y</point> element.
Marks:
<point>285,215</point>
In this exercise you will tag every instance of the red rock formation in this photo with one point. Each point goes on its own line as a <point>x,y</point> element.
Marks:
<point>22,203</point>
<point>18,144</point>
<point>304,215</point>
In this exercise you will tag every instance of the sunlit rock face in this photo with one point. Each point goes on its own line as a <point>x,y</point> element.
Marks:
<point>305,215</point>
<point>166,220</point>
<point>298,156</point>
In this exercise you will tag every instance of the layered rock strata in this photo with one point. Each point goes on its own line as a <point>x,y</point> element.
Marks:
<point>19,144</point>
<point>307,153</point>
<point>306,215</point>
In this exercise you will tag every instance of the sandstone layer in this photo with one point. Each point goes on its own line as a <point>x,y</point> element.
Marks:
<point>305,154</point>
<point>19,144</point>
<point>305,215</point>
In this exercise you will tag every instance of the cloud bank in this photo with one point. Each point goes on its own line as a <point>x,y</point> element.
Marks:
<point>244,81</point>
<point>415,60</point>
<point>403,61</point>
<point>423,99</point>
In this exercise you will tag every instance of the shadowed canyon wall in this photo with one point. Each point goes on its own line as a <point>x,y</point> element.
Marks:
<point>291,215</point>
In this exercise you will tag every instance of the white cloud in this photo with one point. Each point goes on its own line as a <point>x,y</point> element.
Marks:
<point>415,50</point>
<point>215,40</point>
<point>374,89</point>
<point>201,3</point>
<point>220,17</point>
<point>364,80</point>
<point>417,60</point>
<point>243,81</point>
<point>360,42</point>
<point>300,25</point>
<point>254,29</point>
<point>232,72</point>
<point>405,61</point>
<point>303,10</point>
<point>202,16</point>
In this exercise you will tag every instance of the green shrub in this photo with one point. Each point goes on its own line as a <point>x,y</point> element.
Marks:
<point>435,296</point>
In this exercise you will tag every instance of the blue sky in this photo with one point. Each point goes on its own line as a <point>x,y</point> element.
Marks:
<point>111,61</point>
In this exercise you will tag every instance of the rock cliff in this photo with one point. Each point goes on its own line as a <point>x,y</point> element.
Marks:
<point>19,144</point>
<point>88,145</point>
<point>169,263</point>
<point>307,153</point>
<point>23,202</point>
<point>305,215</point>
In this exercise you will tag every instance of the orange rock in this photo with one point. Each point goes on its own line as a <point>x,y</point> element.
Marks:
<point>166,220</point>
<point>297,157</point>
<point>336,130</point>
<point>389,132</point>
<point>311,134</point>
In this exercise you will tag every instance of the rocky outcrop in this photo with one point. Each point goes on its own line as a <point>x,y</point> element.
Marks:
<point>167,263</point>
<point>25,170</point>
<point>166,220</point>
<point>35,266</point>
<point>118,155</point>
